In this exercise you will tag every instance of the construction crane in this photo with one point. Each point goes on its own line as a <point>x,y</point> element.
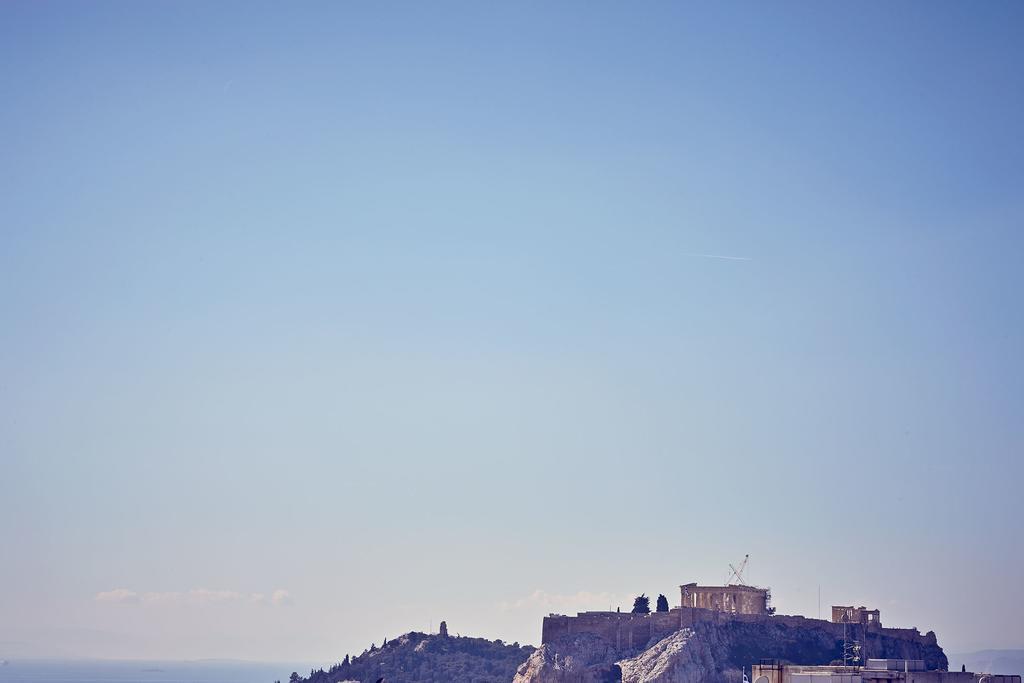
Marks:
<point>736,578</point>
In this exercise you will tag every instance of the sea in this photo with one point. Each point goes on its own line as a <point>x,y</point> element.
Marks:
<point>132,671</point>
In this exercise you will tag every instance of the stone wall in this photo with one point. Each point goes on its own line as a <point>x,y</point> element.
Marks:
<point>624,631</point>
<point>715,649</point>
<point>628,633</point>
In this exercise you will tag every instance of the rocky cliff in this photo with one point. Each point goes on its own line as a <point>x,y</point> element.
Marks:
<point>669,660</point>
<point>717,652</point>
<point>707,652</point>
<point>581,659</point>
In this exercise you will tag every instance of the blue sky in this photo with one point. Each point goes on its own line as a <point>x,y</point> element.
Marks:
<point>323,323</point>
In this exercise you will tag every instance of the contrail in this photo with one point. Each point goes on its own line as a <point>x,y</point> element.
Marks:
<point>721,256</point>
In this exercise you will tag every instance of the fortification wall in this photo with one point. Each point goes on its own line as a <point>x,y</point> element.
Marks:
<point>629,633</point>
<point>625,631</point>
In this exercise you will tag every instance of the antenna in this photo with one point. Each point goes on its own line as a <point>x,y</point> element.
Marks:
<point>851,648</point>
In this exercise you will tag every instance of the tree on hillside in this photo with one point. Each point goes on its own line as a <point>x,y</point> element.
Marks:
<point>662,603</point>
<point>642,604</point>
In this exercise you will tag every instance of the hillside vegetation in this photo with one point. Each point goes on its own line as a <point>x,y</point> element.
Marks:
<point>418,657</point>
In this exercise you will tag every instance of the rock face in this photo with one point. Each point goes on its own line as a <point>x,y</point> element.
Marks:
<point>715,653</point>
<point>419,658</point>
<point>581,659</point>
<point>667,660</point>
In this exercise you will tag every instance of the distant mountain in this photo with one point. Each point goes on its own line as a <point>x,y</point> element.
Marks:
<point>990,661</point>
<point>418,657</point>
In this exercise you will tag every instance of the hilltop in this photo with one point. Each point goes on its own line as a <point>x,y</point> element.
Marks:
<point>417,657</point>
<point>712,652</point>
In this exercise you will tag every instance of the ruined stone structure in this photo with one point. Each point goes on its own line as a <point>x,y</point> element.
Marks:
<point>741,613</point>
<point>606,647</point>
<point>732,599</point>
<point>626,632</point>
<point>842,614</point>
<point>717,632</point>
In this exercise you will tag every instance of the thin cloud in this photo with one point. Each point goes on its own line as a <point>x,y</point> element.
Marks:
<point>724,257</point>
<point>194,597</point>
<point>204,596</point>
<point>118,595</point>
<point>163,598</point>
<point>581,601</point>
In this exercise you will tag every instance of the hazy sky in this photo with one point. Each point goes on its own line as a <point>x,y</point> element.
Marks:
<point>324,322</point>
